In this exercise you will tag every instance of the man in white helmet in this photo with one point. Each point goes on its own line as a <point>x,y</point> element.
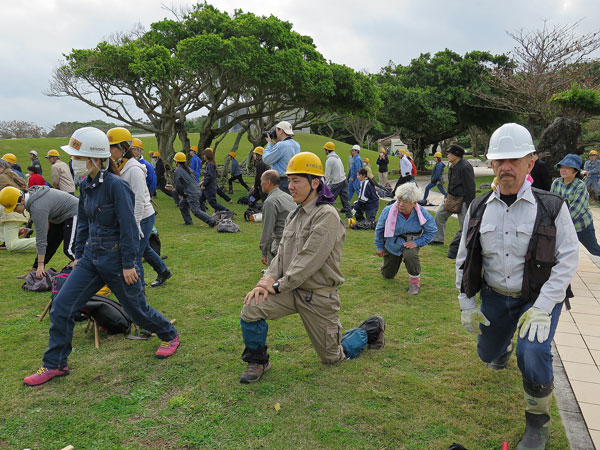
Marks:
<point>279,150</point>
<point>523,242</point>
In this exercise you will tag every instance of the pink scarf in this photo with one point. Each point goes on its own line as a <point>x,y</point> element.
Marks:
<point>390,221</point>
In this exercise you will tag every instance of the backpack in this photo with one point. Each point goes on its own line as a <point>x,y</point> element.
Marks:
<point>59,280</point>
<point>154,241</point>
<point>354,342</point>
<point>108,314</point>
<point>227,226</point>
<point>245,200</point>
<point>45,284</point>
<point>413,171</point>
<point>221,215</point>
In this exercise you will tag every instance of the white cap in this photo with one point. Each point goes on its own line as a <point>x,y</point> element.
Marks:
<point>33,152</point>
<point>286,127</point>
<point>510,141</point>
<point>356,147</point>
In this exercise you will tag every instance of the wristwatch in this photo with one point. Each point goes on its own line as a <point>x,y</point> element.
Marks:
<point>276,287</point>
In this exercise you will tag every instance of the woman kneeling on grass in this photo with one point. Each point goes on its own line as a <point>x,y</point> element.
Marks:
<point>571,187</point>
<point>403,228</point>
<point>105,251</point>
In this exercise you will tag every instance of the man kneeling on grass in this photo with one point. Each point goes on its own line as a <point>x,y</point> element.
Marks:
<point>302,278</point>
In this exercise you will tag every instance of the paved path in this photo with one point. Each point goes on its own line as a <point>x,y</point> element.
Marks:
<point>578,337</point>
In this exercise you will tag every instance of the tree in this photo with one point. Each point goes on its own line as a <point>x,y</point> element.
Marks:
<point>544,62</point>
<point>206,59</point>
<point>577,103</point>
<point>20,129</point>
<point>433,98</point>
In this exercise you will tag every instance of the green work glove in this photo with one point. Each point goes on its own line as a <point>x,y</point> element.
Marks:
<point>537,321</point>
<point>471,318</point>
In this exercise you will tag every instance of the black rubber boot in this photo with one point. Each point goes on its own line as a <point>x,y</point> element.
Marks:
<point>502,362</point>
<point>538,399</point>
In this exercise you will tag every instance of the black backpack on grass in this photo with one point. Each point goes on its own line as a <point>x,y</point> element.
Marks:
<point>108,314</point>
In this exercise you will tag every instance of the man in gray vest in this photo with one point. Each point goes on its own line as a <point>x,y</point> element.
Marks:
<point>524,243</point>
<point>275,210</point>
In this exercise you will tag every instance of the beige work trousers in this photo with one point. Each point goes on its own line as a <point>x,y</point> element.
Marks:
<point>319,316</point>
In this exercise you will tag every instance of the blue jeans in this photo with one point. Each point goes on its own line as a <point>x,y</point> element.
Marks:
<point>534,359</point>
<point>587,237</point>
<point>592,182</point>
<point>431,185</point>
<point>353,186</point>
<point>146,251</point>
<point>100,265</point>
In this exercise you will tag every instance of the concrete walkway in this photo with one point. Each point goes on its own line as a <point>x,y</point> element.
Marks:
<point>578,338</point>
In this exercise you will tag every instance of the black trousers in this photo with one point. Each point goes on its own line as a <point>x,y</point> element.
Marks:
<point>240,179</point>
<point>60,232</point>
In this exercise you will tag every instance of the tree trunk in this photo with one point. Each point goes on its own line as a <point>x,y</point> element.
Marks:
<point>165,148</point>
<point>183,136</point>
<point>419,154</point>
<point>206,137</point>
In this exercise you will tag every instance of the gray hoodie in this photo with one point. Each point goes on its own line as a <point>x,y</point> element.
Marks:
<point>47,205</point>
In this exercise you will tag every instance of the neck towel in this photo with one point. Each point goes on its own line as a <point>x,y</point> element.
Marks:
<point>390,222</point>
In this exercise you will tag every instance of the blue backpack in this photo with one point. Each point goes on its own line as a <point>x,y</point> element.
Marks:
<point>354,342</point>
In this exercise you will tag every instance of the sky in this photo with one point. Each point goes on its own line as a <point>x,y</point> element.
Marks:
<point>364,35</point>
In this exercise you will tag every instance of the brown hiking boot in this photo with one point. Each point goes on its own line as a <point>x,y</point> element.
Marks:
<point>380,342</point>
<point>254,372</point>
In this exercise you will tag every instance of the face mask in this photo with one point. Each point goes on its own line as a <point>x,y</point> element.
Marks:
<point>80,168</point>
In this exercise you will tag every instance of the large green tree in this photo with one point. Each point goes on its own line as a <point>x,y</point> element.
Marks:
<point>433,99</point>
<point>225,65</point>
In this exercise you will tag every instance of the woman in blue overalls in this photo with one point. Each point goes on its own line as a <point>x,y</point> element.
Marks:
<point>209,182</point>
<point>105,251</point>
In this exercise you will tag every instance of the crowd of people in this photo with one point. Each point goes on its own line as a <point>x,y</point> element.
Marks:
<point>521,284</point>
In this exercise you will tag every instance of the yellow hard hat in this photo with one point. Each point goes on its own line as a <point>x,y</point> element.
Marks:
<point>329,146</point>
<point>118,135</point>
<point>151,154</point>
<point>594,152</point>
<point>232,154</point>
<point>366,160</point>
<point>259,150</point>
<point>135,142</point>
<point>9,157</point>
<point>305,163</point>
<point>437,155</point>
<point>180,157</point>
<point>9,197</point>
<point>194,148</point>
<point>52,153</point>
<point>382,150</point>
<point>156,155</point>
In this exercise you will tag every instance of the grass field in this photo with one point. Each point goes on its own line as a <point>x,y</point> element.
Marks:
<point>425,390</point>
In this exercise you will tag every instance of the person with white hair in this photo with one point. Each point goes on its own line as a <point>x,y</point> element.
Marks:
<point>403,228</point>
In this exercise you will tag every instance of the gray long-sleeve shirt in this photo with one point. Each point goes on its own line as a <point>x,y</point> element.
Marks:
<point>48,205</point>
<point>275,210</point>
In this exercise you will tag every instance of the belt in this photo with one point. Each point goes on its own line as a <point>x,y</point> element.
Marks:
<point>506,293</point>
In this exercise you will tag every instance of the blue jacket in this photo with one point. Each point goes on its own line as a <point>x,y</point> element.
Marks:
<point>196,166</point>
<point>235,168</point>
<point>210,178</point>
<point>185,182</point>
<point>356,165</point>
<point>403,226</point>
<point>279,154</point>
<point>367,195</point>
<point>150,176</point>
<point>438,171</point>
<point>105,220</point>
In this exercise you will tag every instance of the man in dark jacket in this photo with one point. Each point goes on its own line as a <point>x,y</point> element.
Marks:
<point>382,164</point>
<point>261,168</point>
<point>461,183</point>
<point>540,174</point>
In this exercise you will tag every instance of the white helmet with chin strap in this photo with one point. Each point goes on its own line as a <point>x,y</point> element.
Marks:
<point>91,143</point>
<point>510,141</point>
<point>88,141</point>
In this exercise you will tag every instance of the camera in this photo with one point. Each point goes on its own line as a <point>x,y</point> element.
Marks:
<point>272,134</point>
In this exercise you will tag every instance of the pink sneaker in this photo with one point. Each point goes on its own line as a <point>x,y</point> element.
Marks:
<point>167,348</point>
<point>43,375</point>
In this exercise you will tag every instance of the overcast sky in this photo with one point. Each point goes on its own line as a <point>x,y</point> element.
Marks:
<point>34,34</point>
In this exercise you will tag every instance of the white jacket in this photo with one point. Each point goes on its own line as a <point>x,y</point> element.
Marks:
<point>135,174</point>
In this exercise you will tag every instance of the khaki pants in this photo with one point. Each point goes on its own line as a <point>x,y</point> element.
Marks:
<point>319,316</point>
<point>9,234</point>
<point>383,177</point>
<point>391,263</point>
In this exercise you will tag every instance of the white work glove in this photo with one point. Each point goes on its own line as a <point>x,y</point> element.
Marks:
<point>536,321</point>
<point>471,318</point>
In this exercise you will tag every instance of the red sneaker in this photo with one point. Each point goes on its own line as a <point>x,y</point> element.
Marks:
<point>167,348</point>
<point>45,374</point>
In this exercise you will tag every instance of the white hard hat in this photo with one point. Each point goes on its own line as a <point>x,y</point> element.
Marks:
<point>88,141</point>
<point>33,152</point>
<point>356,147</point>
<point>510,141</point>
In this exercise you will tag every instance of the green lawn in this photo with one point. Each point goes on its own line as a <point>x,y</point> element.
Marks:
<point>425,390</point>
